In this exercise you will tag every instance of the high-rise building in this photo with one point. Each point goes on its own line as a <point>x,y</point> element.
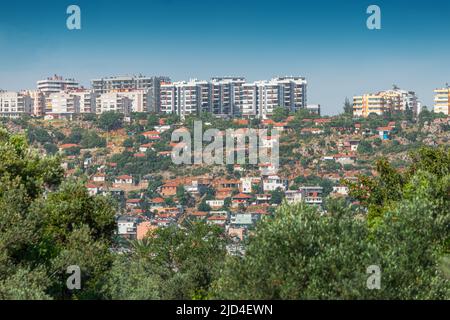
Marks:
<point>15,104</point>
<point>56,84</point>
<point>442,100</point>
<point>38,100</point>
<point>185,97</point>
<point>233,96</point>
<point>62,104</point>
<point>87,100</point>
<point>124,83</point>
<point>262,97</point>
<point>395,100</point>
<point>113,101</point>
<point>226,95</point>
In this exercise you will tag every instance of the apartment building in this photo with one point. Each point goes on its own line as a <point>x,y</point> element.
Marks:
<point>226,95</point>
<point>395,100</point>
<point>55,84</point>
<point>38,101</point>
<point>139,99</point>
<point>140,82</point>
<point>262,97</point>
<point>15,104</point>
<point>233,96</point>
<point>113,101</point>
<point>62,104</point>
<point>442,100</point>
<point>87,100</point>
<point>185,97</point>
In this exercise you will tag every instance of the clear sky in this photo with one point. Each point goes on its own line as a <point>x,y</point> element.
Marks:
<point>326,41</point>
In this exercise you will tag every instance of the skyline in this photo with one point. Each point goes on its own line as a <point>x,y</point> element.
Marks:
<point>184,40</point>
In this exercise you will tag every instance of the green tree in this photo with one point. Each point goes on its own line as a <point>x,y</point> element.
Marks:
<point>110,120</point>
<point>46,226</point>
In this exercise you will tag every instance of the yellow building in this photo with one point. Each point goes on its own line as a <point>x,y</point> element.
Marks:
<point>378,103</point>
<point>442,101</point>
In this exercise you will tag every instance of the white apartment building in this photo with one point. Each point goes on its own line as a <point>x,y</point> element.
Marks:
<point>233,96</point>
<point>139,99</point>
<point>185,97</point>
<point>249,101</point>
<point>262,97</point>
<point>129,83</point>
<point>113,101</point>
<point>272,183</point>
<point>87,100</point>
<point>62,103</point>
<point>15,104</point>
<point>226,95</point>
<point>442,101</point>
<point>55,84</point>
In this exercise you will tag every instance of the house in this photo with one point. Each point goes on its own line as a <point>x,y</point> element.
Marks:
<point>99,177</point>
<point>344,158</point>
<point>241,199</point>
<point>263,198</point>
<point>68,146</point>
<point>139,155</point>
<point>293,196</point>
<point>146,146</point>
<point>267,169</point>
<point>311,131</point>
<point>223,193</point>
<point>312,195</point>
<point>228,183</point>
<point>126,227</point>
<point>92,189</point>
<point>152,135</point>
<point>123,179</point>
<point>161,128</point>
<point>216,203</point>
<point>270,141</point>
<point>246,185</point>
<point>384,133</point>
<point>353,145</point>
<point>217,220</point>
<point>169,189</point>
<point>133,203</point>
<point>321,121</point>
<point>341,190</point>
<point>198,215</point>
<point>272,183</point>
<point>241,220</point>
<point>157,202</point>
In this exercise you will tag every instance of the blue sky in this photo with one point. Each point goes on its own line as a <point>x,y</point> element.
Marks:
<point>326,41</point>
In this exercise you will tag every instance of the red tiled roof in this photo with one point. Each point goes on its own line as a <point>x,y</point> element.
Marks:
<point>68,145</point>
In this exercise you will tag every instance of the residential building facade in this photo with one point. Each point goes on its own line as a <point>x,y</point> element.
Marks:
<point>442,101</point>
<point>55,84</point>
<point>15,104</point>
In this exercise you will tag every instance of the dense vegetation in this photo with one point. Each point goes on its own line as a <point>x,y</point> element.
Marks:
<point>47,224</point>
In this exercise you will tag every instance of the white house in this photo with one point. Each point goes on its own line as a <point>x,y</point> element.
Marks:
<point>272,183</point>
<point>293,196</point>
<point>124,179</point>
